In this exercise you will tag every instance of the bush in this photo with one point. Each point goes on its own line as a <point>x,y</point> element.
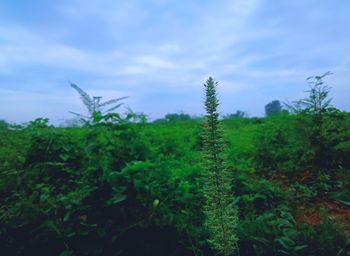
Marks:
<point>277,233</point>
<point>279,146</point>
<point>272,233</point>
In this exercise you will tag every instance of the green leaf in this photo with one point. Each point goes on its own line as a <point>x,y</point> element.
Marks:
<point>116,199</point>
<point>342,197</point>
<point>67,253</point>
<point>286,242</point>
<point>299,248</point>
<point>64,157</point>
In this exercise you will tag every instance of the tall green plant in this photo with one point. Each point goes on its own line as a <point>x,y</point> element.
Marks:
<point>94,104</point>
<point>318,100</point>
<point>221,215</point>
<point>313,111</point>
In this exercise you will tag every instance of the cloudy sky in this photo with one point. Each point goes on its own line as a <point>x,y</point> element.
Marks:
<point>159,52</point>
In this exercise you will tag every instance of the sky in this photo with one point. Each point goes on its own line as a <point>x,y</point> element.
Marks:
<point>160,52</point>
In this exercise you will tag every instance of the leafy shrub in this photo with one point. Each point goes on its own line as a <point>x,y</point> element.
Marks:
<point>256,196</point>
<point>120,186</point>
<point>302,192</point>
<point>277,233</point>
<point>91,191</point>
<point>272,233</point>
<point>279,146</point>
<point>342,151</point>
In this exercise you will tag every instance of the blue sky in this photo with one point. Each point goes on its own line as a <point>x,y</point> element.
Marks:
<point>159,52</point>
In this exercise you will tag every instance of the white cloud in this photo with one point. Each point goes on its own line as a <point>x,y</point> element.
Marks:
<point>167,45</point>
<point>28,48</point>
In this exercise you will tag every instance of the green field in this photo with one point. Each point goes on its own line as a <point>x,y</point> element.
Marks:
<point>127,188</point>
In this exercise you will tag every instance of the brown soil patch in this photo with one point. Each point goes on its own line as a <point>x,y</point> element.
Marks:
<point>310,212</point>
<point>339,213</point>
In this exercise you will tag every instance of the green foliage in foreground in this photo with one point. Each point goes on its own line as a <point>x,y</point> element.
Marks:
<point>124,188</point>
<point>221,216</point>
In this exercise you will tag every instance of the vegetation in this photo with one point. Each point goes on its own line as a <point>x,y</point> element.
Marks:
<point>94,105</point>
<point>119,185</point>
<point>221,216</point>
<point>238,114</point>
<point>273,108</point>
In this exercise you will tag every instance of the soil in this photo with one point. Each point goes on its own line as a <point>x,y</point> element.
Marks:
<point>339,213</point>
<point>310,212</point>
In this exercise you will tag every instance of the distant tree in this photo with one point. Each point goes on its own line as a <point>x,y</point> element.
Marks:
<point>39,123</point>
<point>94,104</point>
<point>238,114</point>
<point>273,108</point>
<point>174,117</point>
<point>3,124</point>
<point>177,117</point>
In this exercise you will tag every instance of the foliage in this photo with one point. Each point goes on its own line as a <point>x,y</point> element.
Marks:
<point>302,192</point>
<point>174,117</point>
<point>94,104</point>
<point>280,147</point>
<point>272,233</point>
<point>238,114</point>
<point>276,232</point>
<point>325,239</point>
<point>313,110</point>
<point>314,137</point>
<point>3,125</point>
<point>256,196</point>
<point>318,101</point>
<point>119,185</point>
<point>239,135</point>
<point>89,190</point>
<point>273,108</point>
<point>221,216</point>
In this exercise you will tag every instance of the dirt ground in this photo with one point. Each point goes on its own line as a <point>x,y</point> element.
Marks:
<point>339,213</point>
<point>310,212</point>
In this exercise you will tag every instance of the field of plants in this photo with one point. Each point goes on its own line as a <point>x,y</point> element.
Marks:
<point>121,185</point>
